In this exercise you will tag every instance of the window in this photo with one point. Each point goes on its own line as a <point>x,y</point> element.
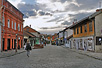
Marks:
<point>18,27</point>
<point>8,23</point>
<point>27,29</point>
<point>15,25</point>
<point>85,28</point>
<point>77,31</point>
<point>81,29</point>
<point>74,31</point>
<point>12,24</point>
<point>3,20</point>
<point>90,26</point>
<point>21,27</point>
<point>98,40</point>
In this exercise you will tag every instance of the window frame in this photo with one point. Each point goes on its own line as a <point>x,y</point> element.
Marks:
<point>85,28</point>
<point>15,25</point>
<point>8,22</point>
<point>81,27</point>
<point>90,26</point>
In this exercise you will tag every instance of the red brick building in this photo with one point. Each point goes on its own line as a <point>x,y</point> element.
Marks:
<point>12,29</point>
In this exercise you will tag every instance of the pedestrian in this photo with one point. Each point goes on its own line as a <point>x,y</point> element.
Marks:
<point>84,47</point>
<point>24,46</point>
<point>28,48</point>
<point>45,43</point>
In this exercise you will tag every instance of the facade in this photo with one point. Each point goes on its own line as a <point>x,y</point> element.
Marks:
<point>36,39</point>
<point>87,33</point>
<point>0,23</point>
<point>12,28</point>
<point>28,35</point>
<point>60,38</point>
<point>67,37</point>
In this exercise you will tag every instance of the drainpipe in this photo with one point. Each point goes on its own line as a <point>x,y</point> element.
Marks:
<point>2,21</point>
<point>94,35</point>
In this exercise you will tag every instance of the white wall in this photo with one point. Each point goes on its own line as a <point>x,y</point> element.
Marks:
<point>60,34</point>
<point>98,25</point>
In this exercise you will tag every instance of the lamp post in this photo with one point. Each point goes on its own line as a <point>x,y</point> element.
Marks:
<point>16,43</point>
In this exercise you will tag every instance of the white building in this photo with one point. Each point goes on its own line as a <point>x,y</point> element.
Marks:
<point>68,37</point>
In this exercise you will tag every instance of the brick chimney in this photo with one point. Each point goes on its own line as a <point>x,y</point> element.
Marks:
<point>30,26</point>
<point>98,10</point>
<point>73,22</point>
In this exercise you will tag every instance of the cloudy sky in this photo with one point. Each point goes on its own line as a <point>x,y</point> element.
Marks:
<point>52,16</point>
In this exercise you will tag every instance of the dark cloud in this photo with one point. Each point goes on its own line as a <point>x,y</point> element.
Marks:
<point>41,13</point>
<point>55,19</point>
<point>79,16</point>
<point>84,5</point>
<point>31,10</point>
<point>66,23</point>
<point>48,31</point>
<point>62,1</point>
<point>51,27</point>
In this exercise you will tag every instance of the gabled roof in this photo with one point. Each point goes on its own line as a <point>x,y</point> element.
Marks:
<point>86,19</point>
<point>30,29</point>
<point>69,37</point>
<point>28,34</point>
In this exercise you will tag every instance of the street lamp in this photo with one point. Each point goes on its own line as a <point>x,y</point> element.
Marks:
<point>16,43</point>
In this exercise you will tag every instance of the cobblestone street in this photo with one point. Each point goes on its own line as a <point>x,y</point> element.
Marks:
<point>50,57</point>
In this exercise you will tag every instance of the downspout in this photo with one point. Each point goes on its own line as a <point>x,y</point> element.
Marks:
<point>2,20</point>
<point>94,35</point>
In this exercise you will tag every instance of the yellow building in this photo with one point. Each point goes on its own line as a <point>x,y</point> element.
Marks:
<point>87,33</point>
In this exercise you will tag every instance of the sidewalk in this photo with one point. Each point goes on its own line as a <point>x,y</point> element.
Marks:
<point>11,53</point>
<point>88,53</point>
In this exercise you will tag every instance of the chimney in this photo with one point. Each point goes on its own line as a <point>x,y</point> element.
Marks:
<point>73,22</point>
<point>100,7</point>
<point>98,10</point>
<point>30,26</point>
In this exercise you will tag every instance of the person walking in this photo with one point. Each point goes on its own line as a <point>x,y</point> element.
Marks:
<point>28,48</point>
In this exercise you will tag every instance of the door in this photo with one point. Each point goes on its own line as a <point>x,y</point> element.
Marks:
<point>3,44</point>
<point>12,43</point>
<point>8,47</point>
<point>15,44</point>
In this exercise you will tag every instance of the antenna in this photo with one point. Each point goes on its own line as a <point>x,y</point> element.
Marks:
<point>100,4</point>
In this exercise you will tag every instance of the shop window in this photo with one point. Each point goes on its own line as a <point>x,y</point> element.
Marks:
<point>98,40</point>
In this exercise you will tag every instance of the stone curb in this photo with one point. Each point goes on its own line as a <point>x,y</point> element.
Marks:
<point>13,54</point>
<point>85,54</point>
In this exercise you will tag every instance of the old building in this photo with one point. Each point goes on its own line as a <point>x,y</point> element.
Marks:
<point>12,28</point>
<point>68,37</point>
<point>0,22</point>
<point>87,33</point>
<point>36,39</point>
<point>28,35</point>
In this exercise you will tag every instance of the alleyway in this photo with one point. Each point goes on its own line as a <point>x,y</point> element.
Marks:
<point>50,57</point>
